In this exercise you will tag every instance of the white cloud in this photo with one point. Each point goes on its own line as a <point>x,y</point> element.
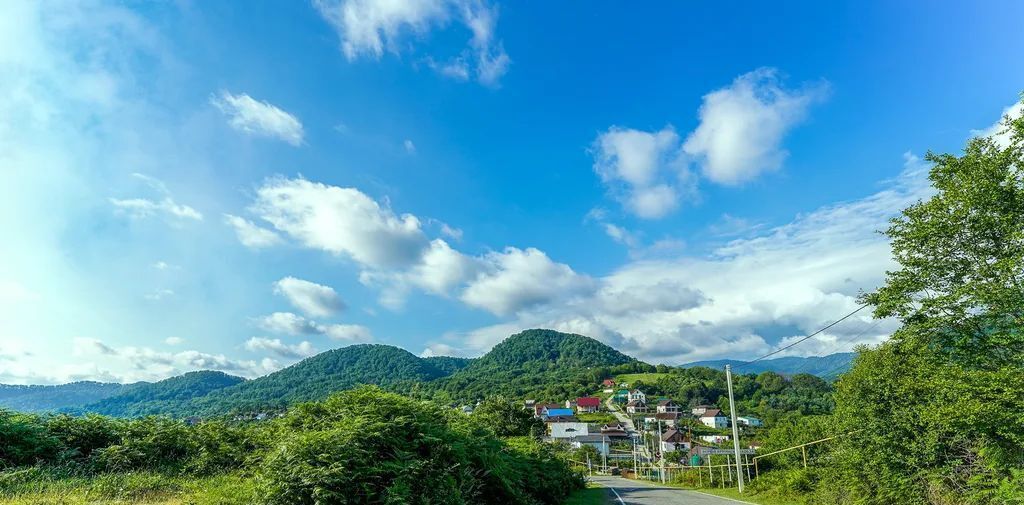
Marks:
<point>518,279</point>
<point>409,146</point>
<point>251,235</point>
<point>438,349</point>
<point>742,126</point>
<point>340,221</point>
<point>643,170</point>
<point>254,117</point>
<point>287,323</point>
<point>369,28</point>
<point>347,332</point>
<point>301,350</point>
<point>315,300</point>
<point>149,364</point>
<point>174,340</point>
<point>159,294</point>
<point>998,131</point>
<point>145,207</point>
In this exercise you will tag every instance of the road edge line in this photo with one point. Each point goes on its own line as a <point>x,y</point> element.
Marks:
<point>722,497</point>
<point>617,495</point>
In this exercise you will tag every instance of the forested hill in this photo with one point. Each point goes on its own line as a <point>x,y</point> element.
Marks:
<point>825,367</point>
<point>542,364</point>
<point>159,397</point>
<point>316,377</point>
<point>46,398</point>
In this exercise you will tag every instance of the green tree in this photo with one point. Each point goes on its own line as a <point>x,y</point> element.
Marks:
<point>935,412</point>
<point>507,418</point>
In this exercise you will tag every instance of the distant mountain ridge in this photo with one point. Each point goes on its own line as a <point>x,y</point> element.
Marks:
<point>825,367</point>
<point>537,363</point>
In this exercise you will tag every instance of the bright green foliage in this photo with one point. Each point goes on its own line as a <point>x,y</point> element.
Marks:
<point>24,440</point>
<point>939,406</point>
<point>80,437</point>
<point>507,418</point>
<point>367,446</point>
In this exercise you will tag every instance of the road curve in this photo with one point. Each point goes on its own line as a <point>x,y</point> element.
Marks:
<point>635,492</point>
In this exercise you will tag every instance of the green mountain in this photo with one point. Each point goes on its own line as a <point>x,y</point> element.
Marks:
<point>544,364</point>
<point>155,398</point>
<point>826,367</point>
<point>50,398</point>
<point>316,377</point>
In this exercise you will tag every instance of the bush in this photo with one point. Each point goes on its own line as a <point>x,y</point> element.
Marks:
<point>24,440</point>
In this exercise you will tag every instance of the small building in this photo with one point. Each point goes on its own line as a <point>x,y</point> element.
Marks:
<point>570,404</point>
<point>529,404</point>
<point>715,439</point>
<point>714,418</point>
<point>608,383</point>
<point>557,412</point>
<point>599,442</point>
<point>668,419</point>
<point>586,404</point>
<point>617,430</point>
<point>467,409</point>
<point>667,407</point>
<point>753,422</point>
<point>636,407</point>
<point>567,429</point>
<point>636,394</point>
<point>699,410</point>
<point>539,408</point>
<point>621,396</point>
<point>674,440</point>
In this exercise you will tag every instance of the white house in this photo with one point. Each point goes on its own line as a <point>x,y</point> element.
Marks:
<point>714,418</point>
<point>636,407</point>
<point>699,410</point>
<point>674,440</point>
<point>568,429</point>
<point>599,442</point>
<point>667,407</point>
<point>715,439</point>
<point>636,394</point>
<point>749,421</point>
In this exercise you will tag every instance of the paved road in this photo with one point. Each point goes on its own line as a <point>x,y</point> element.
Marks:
<point>621,416</point>
<point>633,492</point>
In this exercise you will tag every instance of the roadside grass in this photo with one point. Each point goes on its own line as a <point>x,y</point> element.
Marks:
<point>596,417</point>
<point>591,495</point>
<point>128,488</point>
<point>747,497</point>
<point>643,377</point>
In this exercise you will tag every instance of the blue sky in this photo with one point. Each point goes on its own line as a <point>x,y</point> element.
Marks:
<point>235,186</point>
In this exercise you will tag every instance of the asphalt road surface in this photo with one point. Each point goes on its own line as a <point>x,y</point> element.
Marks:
<point>633,492</point>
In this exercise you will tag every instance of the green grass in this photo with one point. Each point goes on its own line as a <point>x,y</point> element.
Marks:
<point>39,488</point>
<point>748,497</point>
<point>648,378</point>
<point>596,417</point>
<point>589,496</point>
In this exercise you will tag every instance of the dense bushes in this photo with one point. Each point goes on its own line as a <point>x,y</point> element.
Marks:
<point>359,446</point>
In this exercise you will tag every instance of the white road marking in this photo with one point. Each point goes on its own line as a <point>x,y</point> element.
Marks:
<point>617,495</point>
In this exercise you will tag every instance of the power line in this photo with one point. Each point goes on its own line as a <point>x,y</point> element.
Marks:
<point>833,323</point>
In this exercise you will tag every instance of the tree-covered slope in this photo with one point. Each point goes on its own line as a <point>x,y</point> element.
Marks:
<point>63,396</point>
<point>316,377</point>
<point>823,366</point>
<point>544,364</point>
<point>158,397</point>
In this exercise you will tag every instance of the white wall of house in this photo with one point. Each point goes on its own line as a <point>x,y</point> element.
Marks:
<point>715,422</point>
<point>568,430</point>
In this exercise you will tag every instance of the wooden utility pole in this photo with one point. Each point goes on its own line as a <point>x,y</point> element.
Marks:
<point>735,428</point>
<point>661,454</point>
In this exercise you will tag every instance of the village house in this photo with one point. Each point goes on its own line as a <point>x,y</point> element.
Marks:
<point>636,394</point>
<point>557,411</point>
<point>667,407</point>
<point>608,383</point>
<point>588,404</point>
<point>636,407</point>
<point>699,410</point>
<point>715,439</point>
<point>667,418</point>
<point>617,430</point>
<point>621,396</point>
<point>674,440</point>
<point>599,442</point>
<point>529,404</point>
<point>714,418</point>
<point>563,429</point>
<point>539,408</point>
<point>753,422</point>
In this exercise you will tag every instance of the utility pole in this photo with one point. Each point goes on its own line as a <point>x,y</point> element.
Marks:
<point>636,469</point>
<point>735,428</point>
<point>661,454</point>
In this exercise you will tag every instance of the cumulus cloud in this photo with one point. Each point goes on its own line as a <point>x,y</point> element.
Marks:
<point>998,131</point>
<point>148,364</point>
<point>258,118</point>
<point>347,332</point>
<point>174,340</point>
<point>369,28</point>
<point>287,323</point>
<point>742,126</point>
<point>301,350</point>
<point>409,146</point>
<point>341,221</point>
<point>517,279</point>
<point>251,235</point>
<point>315,300</point>
<point>643,170</point>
